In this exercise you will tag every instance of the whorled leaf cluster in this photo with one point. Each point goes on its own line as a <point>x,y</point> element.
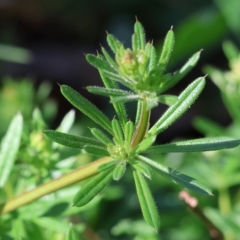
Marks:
<point>128,142</point>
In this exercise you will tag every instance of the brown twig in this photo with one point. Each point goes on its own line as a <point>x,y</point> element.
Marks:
<point>192,204</point>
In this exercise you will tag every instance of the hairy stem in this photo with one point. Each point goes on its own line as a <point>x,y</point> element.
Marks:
<point>142,126</point>
<point>77,175</point>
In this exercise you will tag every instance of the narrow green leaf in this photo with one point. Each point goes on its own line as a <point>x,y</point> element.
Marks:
<point>143,168</point>
<point>119,170</point>
<point>102,137</point>
<point>109,59</point>
<point>145,144</point>
<point>114,43</point>
<point>177,177</point>
<point>152,57</point>
<point>135,43</point>
<point>196,145</point>
<point>124,99</point>
<point>117,132</point>
<point>99,63</point>
<point>167,99</point>
<point>107,92</point>
<point>185,100</point>
<point>128,133</point>
<point>140,35</point>
<point>120,79</point>
<point>92,188</point>
<point>180,74</point>
<point>148,206</point>
<point>70,140</point>
<point>119,107</point>
<point>86,107</point>
<point>96,150</point>
<point>107,166</point>
<point>167,49</point>
<point>9,147</point>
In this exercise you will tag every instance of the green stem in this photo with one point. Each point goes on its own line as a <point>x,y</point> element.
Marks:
<point>77,175</point>
<point>224,203</point>
<point>142,126</point>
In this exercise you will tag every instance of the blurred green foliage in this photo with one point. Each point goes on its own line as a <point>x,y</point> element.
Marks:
<point>115,214</point>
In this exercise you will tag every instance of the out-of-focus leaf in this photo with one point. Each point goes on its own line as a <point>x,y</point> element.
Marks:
<point>9,148</point>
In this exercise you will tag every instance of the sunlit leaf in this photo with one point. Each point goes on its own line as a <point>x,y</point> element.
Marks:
<point>180,74</point>
<point>185,100</point>
<point>9,148</point>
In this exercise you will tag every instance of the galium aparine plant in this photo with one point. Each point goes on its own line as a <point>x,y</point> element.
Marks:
<point>120,141</point>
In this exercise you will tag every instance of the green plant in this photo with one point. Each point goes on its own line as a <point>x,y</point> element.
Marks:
<point>221,169</point>
<point>123,142</point>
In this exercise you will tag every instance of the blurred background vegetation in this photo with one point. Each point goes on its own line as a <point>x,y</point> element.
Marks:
<point>43,43</point>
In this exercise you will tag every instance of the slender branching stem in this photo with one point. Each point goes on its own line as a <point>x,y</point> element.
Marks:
<point>75,176</point>
<point>142,126</point>
<point>192,204</point>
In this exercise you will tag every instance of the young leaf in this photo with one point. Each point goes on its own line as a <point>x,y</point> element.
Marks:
<point>148,206</point>
<point>167,99</point>
<point>145,144</point>
<point>117,132</point>
<point>70,140</point>
<point>128,133</point>
<point>119,171</point>
<point>109,91</point>
<point>109,59</point>
<point>177,177</point>
<point>113,43</point>
<point>185,100</point>
<point>9,148</point>
<point>142,168</point>
<point>102,137</point>
<point>99,63</point>
<point>140,35</point>
<point>196,145</point>
<point>180,74</point>
<point>86,107</point>
<point>92,188</point>
<point>167,49</point>
<point>96,150</point>
<point>152,57</point>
